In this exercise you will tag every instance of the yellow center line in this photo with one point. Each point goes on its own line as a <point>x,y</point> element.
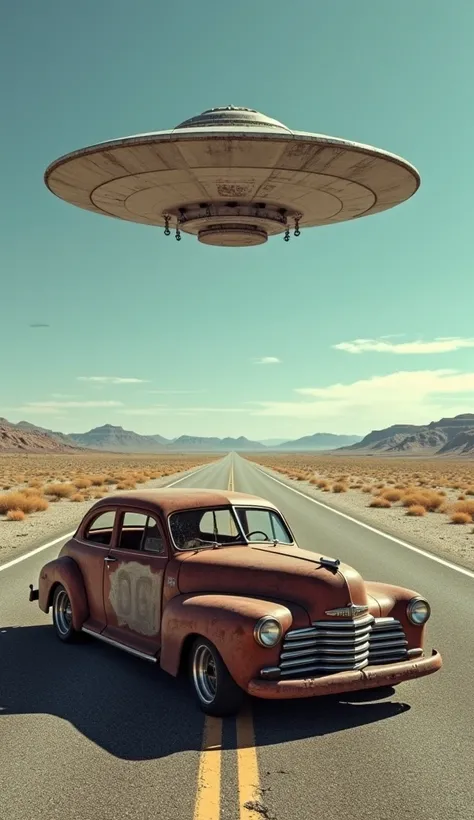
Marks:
<point>208,797</point>
<point>247,766</point>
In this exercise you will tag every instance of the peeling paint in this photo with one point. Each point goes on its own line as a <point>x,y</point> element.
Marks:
<point>135,597</point>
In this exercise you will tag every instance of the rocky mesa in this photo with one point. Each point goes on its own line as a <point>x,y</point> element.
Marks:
<point>448,436</point>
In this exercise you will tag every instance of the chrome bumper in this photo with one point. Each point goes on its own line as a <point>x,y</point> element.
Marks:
<point>369,678</point>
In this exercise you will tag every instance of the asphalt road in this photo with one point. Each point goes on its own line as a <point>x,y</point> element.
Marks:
<point>90,732</point>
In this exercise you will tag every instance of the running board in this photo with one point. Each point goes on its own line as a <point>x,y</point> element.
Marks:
<point>119,645</point>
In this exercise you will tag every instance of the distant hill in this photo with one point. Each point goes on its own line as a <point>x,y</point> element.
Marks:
<point>16,438</point>
<point>319,441</point>
<point>117,440</point>
<point>161,439</point>
<point>272,442</point>
<point>446,436</point>
<point>63,438</point>
<point>374,439</point>
<point>205,443</point>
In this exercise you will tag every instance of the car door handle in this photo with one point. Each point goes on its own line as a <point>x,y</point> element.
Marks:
<point>109,560</point>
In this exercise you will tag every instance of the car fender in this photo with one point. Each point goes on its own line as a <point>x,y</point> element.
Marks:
<point>65,571</point>
<point>227,621</point>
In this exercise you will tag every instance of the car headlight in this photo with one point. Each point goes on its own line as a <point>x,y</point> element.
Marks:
<point>418,611</point>
<point>267,631</point>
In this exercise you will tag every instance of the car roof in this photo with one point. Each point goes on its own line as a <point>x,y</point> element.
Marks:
<point>167,500</point>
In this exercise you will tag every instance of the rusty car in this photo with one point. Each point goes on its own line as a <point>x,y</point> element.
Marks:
<point>213,583</point>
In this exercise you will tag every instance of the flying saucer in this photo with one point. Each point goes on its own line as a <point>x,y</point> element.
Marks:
<point>232,177</point>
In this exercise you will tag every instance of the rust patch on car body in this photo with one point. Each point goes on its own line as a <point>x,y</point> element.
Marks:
<point>135,597</point>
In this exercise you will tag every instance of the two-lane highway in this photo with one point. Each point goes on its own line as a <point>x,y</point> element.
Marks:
<point>90,732</point>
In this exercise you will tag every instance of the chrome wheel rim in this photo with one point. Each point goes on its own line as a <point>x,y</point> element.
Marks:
<point>205,673</point>
<point>62,612</point>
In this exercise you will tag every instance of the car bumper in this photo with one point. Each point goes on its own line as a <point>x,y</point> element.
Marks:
<point>369,678</point>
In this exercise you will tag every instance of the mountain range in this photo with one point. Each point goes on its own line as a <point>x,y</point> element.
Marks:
<point>111,438</point>
<point>448,436</point>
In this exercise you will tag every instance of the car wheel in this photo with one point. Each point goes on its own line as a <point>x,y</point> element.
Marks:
<point>62,615</point>
<point>215,689</point>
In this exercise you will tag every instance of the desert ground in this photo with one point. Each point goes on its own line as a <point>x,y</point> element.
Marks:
<point>44,495</point>
<point>426,502</point>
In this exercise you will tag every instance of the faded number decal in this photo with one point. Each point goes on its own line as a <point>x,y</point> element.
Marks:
<point>135,597</point>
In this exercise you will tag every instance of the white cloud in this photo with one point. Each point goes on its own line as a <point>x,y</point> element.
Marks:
<point>111,380</point>
<point>441,344</point>
<point>145,411</point>
<point>267,360</point>
<point>172,392</point>
<point>63,396</point>
<point>415,397</point>
<point>193,410</point>
<point>55,405</point>
<point>179,411</point>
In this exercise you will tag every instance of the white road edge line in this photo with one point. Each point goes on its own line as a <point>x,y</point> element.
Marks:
<point>398,541</point>
<point>70,534</point>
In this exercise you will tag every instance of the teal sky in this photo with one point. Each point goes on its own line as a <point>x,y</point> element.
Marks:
<point>187,322</point>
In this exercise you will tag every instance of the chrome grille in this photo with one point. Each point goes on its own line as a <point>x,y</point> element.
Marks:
<point>338,646</point>
<point>387,643</point>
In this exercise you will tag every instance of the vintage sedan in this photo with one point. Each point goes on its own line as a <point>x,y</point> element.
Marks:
<point>213,582</point>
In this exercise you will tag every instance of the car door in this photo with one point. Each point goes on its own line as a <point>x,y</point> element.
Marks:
<point>89,547</point>
<point>133,582</point>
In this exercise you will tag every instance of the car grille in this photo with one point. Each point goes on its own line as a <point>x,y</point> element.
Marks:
<point>338,646</point>
<point>387,642</point>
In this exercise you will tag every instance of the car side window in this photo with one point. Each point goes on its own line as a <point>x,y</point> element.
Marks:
<point>141,532</point>
<point>101,529</point>
<point>153,539</point>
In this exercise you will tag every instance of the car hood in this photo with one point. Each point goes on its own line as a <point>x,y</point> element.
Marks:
<point>281,573</point>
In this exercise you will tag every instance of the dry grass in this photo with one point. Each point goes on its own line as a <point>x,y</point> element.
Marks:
<point>21,501</point>
<point>461,518</point>
<point>416,509</point>
<point>465,507</point>
<point>381,502</point>
<point>32,481</point>
<point>392,495</point>
<point>16,515</point>
<point>339,487</point>
<point>60,490</point>
<point>431,501</point>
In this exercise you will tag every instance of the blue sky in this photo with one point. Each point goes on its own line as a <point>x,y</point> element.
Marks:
<point>184,324</point>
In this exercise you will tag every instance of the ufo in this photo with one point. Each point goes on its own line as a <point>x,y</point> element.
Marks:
<point>232,177</point>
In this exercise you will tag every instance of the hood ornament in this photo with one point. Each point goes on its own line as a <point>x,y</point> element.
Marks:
<point>349,611</point>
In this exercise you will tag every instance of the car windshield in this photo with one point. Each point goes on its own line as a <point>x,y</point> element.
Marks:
<point>198,529</point>
<point>260,524</point>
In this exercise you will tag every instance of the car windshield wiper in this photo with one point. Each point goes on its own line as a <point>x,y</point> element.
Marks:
<point>211,544</point>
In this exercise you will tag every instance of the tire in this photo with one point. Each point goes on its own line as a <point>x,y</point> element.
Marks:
<point>216,691</point>
<point>62,616</point>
